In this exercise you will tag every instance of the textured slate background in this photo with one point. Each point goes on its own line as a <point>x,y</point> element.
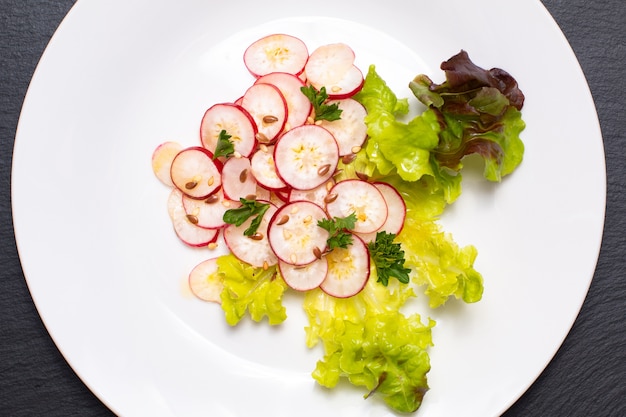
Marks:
<point>587,377</point>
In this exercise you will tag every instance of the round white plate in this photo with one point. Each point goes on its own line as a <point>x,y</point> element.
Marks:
<point>108,275</point>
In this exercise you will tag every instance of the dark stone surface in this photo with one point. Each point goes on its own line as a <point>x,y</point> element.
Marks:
<point>585,378</point>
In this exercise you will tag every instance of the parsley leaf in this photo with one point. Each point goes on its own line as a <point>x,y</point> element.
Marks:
<point>322,111</point>
<point>224,146</point>
<point>338,228</point>
<point>248,209</point>
<point>388,258</point>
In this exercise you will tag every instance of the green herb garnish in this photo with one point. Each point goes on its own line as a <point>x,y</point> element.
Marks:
<point>248,209</point>
<point>224,146</point>
<point>318,99</point>
<point>338,230</point>
<point>388,258</point>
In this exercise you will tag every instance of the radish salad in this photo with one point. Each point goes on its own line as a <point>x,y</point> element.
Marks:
<point>318,182</point>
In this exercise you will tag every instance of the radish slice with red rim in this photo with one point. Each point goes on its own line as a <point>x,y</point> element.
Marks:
<point>276,53</point>
<point>304,278</point>
<point>298,105</point>
<point>396,212</point>
<point>361,198</point>
<point>195,173</point>
<point>185,227</point>
<point>254,250</point>
<point>350,131</point>
<point>315,195</point>
<point>294,234</point>
<point>306,156</point>
<point>235,121</point>
<point>328,64</point>
<point>268,109</point>
<point>346,87</point>
<point>264,169</point>
<point>237,179</point>
<point>205,282</point>
<point>396,208</point>
<point>162,159</point>
<point>348,270</point>
<point>208,213</point>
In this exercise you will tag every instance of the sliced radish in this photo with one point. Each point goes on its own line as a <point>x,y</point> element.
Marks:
<point>396,212</point>
<point>346,87</point>
<point>328,64</point>
<point>316,195</point>
<point>304,278</point>
<point>306,156</point>
<point>298,105</point>
<point>162,158</point>
<point>195,173</point>
<point>233,119</point>
<point>350,131</point>
<point>361,198</point>
<point>294,234</point>
<point>268,109</point>
<point>205,282</point>
<point>348,270</point>
<point>208,213</point>
<point>262,193</point>
<point>264,169</point>
<point>174,200</point>
<point>396,208</point>
<point>237,179</point>
<point>254,250</point>
<point>277,52</point>
<point>186,230</point>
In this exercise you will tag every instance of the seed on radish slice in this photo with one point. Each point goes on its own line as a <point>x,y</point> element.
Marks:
<point>195,173</point>
<point>162,158</point>
<point>205,282</point>
<point>350,131</point>
<point>328,64</point>
<point>361,198</point>
<point>317,195</point>
<point>237,179</point>
<point>346,87</point>
<point>304,278</point>
<point>208,213</point>
<point>254,250</point>
<point>268,109</point>
<point>264,169</point>
<point>233,119</point>
<point>294,234</point>
<point>277,52</point>
<point>348,270</point>
<point>306,156</point>
<point>298,105</point>
<point>186,230</point>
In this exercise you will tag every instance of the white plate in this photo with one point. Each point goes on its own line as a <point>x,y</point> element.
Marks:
<point>107,274</point>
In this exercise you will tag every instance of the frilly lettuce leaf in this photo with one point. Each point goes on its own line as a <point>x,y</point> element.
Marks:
<point>370,342</point>
<point>479,112</point>
<point>395,147</point>
<point>444,268</point>
<point>248,289</point>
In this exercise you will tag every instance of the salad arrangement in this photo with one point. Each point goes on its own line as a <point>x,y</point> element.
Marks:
<point>318,181</point>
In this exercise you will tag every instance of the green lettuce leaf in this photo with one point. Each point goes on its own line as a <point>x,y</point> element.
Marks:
<point>440,264</point>
<point>257,291</point>
<point>367,340</point>
<point>392,144</point>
